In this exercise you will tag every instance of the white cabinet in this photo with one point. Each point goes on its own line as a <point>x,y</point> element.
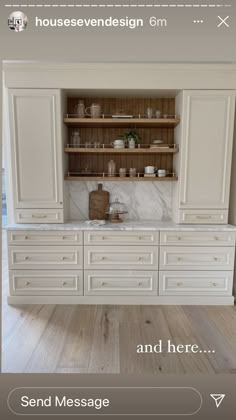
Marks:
<point>205,137</point>
<point>36,152</point>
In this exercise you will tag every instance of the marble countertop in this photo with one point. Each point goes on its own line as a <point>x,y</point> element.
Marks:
<point>125,226</point>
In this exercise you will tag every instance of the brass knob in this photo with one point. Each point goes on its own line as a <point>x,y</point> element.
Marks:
<point>179,238</point>
<point>140,258</point>
<point>179,284</point>
<point>216,238</point>
<point>26,258</point>
<point>64,283</point>
<point>27,283</point>
<point>140,283</point>
<point>26,237</point>
<point>103,258</point>
<point>103,283</point>
<point>140,238</point>
<point>63,258</point>
<point>215,259</point>
<point>214,284</point>
<point>180,259</point>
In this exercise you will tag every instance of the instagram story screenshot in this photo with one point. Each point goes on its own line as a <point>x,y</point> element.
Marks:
<point>118,209</point>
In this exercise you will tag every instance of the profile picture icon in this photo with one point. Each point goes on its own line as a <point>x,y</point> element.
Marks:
<point>17,21</point>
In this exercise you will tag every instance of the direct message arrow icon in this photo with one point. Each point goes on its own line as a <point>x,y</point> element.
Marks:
<point>218,398</point>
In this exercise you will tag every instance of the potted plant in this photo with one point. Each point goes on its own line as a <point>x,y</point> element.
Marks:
<point>132,138</point>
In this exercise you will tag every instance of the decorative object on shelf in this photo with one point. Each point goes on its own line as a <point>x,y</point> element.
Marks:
<point>149,113</point>
<point>97,144</point>
<point>162,173</point>
<point>98,202</point>
<point>158,114</point>
<point>132,172</point>
<point>80,110</point>
<point>122,172</point>
<point>150,169</point>
<point>115,209</point>
<point>165,116</point>
<point>131,135</point>
<point>122,116</point>
<point>111,168</point>
<point>88,144</point>
<point>93,111</point>
<point>118,144</point>
<point>75,138</point>
<point>131,143</point>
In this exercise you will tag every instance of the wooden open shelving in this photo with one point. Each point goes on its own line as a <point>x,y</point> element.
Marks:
<point>91,164</point>
<point>125,150</point>
<point>121,122</point>
<point>119,179</point>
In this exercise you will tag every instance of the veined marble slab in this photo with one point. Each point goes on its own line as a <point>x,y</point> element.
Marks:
<point>144,202</point>
<point>147,225</point>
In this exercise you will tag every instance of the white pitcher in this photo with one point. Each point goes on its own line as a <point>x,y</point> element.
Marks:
<point>94,111</point>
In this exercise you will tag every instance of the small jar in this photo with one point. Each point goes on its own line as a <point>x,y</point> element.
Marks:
<point>75,138</point>
<point>122,172</point>
<point>132,172</point>
<point>111,168</point>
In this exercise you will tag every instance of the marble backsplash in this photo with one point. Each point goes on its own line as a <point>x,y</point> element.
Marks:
<point>145,200</point>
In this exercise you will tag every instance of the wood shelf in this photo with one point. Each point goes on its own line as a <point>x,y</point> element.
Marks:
<point>119,179</point>
<point>121,122</point>
<point>146,150</point>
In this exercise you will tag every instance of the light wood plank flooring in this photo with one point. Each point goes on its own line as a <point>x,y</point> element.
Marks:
<point>103,339</point>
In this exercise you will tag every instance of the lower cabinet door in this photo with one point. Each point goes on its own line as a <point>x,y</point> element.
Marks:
<point>197,258</point>
<point>129,283</point>
<point>121,257</point>
<point>196,283</point>
<point>46,282</point>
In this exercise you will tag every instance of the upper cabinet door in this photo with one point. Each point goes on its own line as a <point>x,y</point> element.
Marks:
<point>206,149</point>
<point>36,148</point>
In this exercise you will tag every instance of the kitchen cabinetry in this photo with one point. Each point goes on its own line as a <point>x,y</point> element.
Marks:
<point>204,165</point>
<point>121,267</point>
<point>36,155</point>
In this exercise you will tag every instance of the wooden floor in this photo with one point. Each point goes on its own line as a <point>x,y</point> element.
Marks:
<point>103,339</point>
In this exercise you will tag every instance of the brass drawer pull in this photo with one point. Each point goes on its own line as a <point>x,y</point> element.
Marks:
<point>203,217</point>
<point>39,216</point>
<point>64,258</point>
<point>180,259</point>
<point>140,238</point>
<point>140,283</point>
<point>103,283</point>
<point>64,283</point>
<point>179,284</point>
<point>26,237</point>
<point>27,283</point>
<point>140,258</point>
<point>215,259</point>
<point>215,284</point>
<point>27,258</point>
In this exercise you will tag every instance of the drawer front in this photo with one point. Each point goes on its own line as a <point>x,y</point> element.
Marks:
<point>46,282</point>
<point>124,238</point>
<point>198,238</point>
<point>203,217</point>
<point>196,283</point>
<point>129,283</point>
<point>196,258</point>
<point>39,216</point>
<point>34,237</point>
<point>45,257</point>
<point>121,257</point>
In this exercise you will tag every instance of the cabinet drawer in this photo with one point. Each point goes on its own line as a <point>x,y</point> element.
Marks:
<point>46,282</point>
<point>124,238</point>
<point>196,258</point>
<point>34,237</point>
<point>45,257</point>
<point>119,283</point>
<point>120,257</point>
<point>198,238</point>
<point>203,217</point>
<point>39,216</point>
<point>196,283</point>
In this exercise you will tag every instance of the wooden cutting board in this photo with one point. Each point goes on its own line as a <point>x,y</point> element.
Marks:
<point>98,203</point>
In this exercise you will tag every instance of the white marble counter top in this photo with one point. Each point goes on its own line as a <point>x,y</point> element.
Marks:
<point>126,226</point>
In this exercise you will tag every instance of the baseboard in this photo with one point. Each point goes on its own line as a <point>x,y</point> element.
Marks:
<point>121,300</point>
